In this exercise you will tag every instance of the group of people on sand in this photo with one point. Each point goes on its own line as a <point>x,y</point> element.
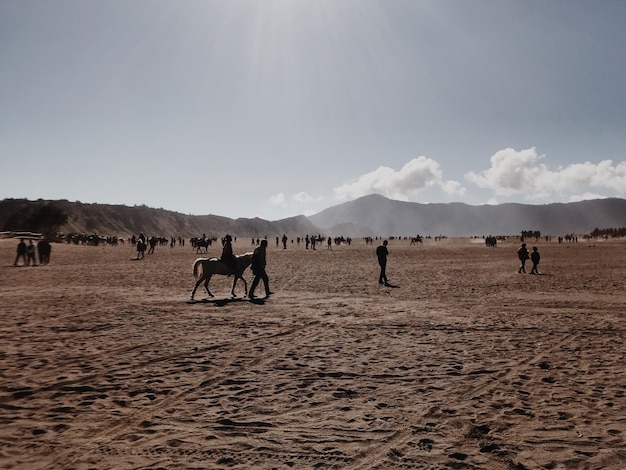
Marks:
<point>259,261</point>
<point>524,255</point>
<point>27,252</point>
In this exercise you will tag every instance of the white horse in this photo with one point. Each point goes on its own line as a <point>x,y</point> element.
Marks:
<point>212,266</point>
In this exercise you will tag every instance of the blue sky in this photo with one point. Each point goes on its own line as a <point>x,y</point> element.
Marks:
<point>275,108</point>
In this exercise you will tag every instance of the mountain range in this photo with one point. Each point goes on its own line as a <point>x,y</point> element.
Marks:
<point>375,214</point>
<point>372,215</point>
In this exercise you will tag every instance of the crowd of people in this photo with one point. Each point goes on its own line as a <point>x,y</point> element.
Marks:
<point>27,254</point>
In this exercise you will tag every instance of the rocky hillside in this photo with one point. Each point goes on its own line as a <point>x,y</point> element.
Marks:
<point>123,221</point>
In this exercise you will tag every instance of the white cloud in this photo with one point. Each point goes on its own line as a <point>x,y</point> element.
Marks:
<point>522,173</point>
<point>419,173</point>
<point>299,203</point>
<point>511,172</point>
<point>303,197</point>
<point>278,199</point>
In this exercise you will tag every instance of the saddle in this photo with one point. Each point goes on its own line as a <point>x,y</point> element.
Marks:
<point>230,264</point>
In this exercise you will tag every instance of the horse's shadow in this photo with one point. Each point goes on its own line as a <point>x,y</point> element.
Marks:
<point>224,302</point>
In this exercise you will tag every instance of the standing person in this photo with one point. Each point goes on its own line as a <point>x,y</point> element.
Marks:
<point>329,243</point>
<point>228,257</point>
<point>30,253</point>
<point>21,252</point>
<point>535,257</point>
<point>284,241</point>
<point>523,255</point>
<point>259,259</point>
<point>44,248</point>
<point>382,252</point>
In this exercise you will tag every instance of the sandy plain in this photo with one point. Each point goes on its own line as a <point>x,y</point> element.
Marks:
<point>105,364</point>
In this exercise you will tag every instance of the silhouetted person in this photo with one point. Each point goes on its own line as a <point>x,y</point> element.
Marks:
<point>141,248</point>
<point>152,242</point>
<point>284,241</point>
<point>535,257</point>
<point>259,259</point>
<point>522,254</point>
<point>382,253</point>
<point>30,253</point>
<point>44,249</point>
<point>21,252</point>
<point>228,257</point>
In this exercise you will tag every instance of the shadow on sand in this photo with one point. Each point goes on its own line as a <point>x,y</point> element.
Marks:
<point>388,284</point>
<point>221,302</point>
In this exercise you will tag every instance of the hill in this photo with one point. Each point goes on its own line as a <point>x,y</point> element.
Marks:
<point>124,221</point>
<point>372,215</point>
<point>387,217</point>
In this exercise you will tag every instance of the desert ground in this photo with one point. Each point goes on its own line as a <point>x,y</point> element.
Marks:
<point>466,364</point>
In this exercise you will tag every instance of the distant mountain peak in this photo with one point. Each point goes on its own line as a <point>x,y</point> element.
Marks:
<point>382,216</point>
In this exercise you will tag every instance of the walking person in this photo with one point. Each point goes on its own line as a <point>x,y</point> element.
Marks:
<point>259,259</point>
<point>523,255</point>
<point>382,252</point>
<point>535,257</point>
<point>21,252</point>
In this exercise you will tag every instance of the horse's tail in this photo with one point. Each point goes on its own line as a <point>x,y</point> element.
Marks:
<point>196,267</point>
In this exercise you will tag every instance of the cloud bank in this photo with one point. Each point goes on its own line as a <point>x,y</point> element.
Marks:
<point>516,175</point>
<point>419,173</point>
<point>521,173</point>
<point>297,202</point>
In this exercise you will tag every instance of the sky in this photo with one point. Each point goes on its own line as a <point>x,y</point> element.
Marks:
<point>277,108</point>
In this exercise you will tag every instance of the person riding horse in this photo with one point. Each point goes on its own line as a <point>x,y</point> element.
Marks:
<point>228,258</point>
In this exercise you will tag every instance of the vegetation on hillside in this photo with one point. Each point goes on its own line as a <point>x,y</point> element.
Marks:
<point>124,221</point>
<point>44,217</point>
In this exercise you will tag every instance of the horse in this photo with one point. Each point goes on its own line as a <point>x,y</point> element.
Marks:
<point>418,239</point>
<point>141,249</point>
<point>199,244</point>
<point>212,266</point>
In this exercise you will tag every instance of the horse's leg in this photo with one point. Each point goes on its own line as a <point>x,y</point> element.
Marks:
<point>245,286</point>
<point>232,291</point>
<point>206,285</point>
<point>193,292</point>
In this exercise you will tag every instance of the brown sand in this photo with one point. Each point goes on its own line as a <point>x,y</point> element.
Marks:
<point>467,364</point>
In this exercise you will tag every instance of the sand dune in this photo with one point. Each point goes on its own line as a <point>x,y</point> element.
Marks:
<point>467,364</point>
